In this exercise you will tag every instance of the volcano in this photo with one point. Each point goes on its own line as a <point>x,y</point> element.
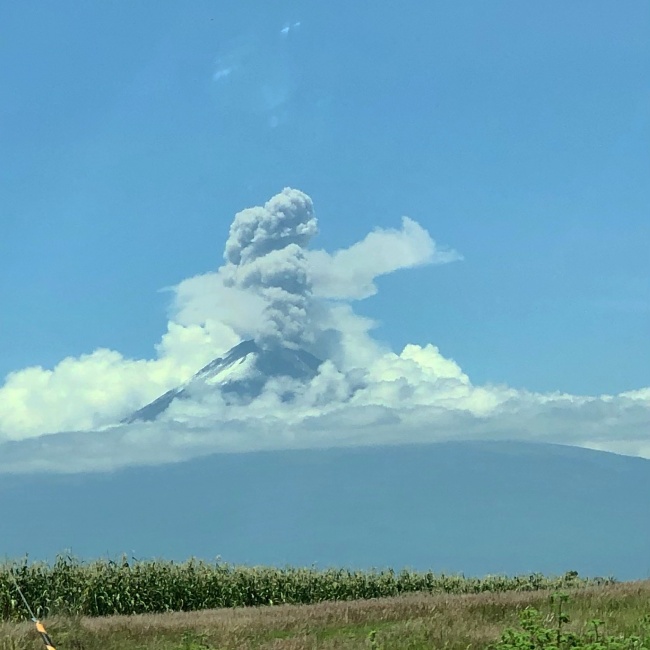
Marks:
<point>240,375</point>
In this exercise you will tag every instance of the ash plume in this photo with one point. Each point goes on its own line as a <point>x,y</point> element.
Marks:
<point>265,254</point>
<point>274,289</point>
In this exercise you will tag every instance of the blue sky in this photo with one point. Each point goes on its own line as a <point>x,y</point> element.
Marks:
<point>517,134</point>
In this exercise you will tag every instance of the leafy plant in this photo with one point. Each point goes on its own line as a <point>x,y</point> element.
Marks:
<point>103,588</point>
<point>535,636</point>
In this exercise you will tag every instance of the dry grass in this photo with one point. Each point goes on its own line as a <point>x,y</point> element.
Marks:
<point>413,621</point>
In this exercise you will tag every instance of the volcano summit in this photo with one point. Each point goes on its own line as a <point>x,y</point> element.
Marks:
<point>240,376</point>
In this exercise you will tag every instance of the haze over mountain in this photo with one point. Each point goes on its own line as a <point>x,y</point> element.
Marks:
<point>472,508</point>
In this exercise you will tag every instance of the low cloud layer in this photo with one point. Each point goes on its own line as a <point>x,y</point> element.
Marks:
<point>272,287</point>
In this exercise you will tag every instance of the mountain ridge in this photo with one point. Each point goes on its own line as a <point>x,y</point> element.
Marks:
<point>464,507</point>
<point>240,375</point>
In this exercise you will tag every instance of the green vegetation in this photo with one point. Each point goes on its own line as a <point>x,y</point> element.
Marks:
<point>104,588</point>
<point>610,617</point>
<point>534,633</point>
<point>449,613</point>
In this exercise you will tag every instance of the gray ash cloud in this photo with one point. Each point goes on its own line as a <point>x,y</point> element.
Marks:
<point>265,253</point>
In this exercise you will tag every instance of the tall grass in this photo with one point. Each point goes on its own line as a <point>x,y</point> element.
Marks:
<point>515,620</point>
<point>101,588</point>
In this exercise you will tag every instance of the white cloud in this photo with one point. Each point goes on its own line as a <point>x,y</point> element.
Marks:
<point>364,394</point>
<point>350,273</point>
<point>416,396</point>
<point>97,389</point>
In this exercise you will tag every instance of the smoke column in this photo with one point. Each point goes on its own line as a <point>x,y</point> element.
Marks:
<point>265,253</point>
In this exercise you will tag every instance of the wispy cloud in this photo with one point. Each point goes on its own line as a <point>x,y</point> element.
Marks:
<point>272,284</point>
<point>350,273</point>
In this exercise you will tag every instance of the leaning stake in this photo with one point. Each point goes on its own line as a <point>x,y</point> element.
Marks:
<point>40,628</point>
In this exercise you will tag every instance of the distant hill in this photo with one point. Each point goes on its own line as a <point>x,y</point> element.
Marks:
<point>467,507</point>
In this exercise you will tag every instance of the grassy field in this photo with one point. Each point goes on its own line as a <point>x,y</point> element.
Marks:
<point>414,621</point>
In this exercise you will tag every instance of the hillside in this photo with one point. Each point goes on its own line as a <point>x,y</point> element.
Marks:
<point>472,508</point>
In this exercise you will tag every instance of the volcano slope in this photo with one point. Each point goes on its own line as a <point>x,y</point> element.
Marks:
<point>240,375</point>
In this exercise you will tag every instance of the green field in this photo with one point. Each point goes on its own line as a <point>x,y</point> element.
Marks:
<point>165,606</point>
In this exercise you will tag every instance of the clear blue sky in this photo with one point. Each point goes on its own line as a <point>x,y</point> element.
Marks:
<point>516,133</point>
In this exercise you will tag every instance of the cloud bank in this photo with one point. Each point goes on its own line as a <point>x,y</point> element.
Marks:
<point>273,288</point>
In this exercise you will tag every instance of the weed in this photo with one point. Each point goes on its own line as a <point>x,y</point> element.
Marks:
<point>535,636</point>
